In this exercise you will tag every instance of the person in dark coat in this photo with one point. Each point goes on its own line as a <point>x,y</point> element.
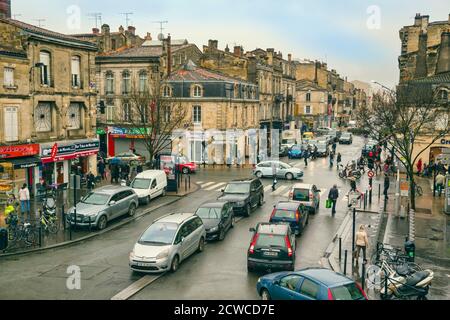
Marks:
<point>102,169</point>
<point>333,195</point>
<point>386,186</point>
<point>90,178</point>
<point>306,157</point>
<point>115,173</point>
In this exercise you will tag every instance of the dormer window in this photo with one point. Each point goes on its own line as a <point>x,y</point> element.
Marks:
<point>197,91</point>
<point>167,92</point>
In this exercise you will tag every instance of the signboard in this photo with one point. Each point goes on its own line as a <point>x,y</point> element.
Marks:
<point>354,199</point>
<point>67,151</point>
<point>54,151</point>
<point>371,174</point>
<point>129,133</point>
<point>404,188</point>
<point>168,166</point>
<point>19,151</point>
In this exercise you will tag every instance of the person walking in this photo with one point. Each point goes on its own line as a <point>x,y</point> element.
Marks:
<point>90,181</point>
<point>387,184</point>
<point>338,159</point>
<point>419,166</point>
<point>352,183</point>
<point>115,173</point>
<point>362,243</point>
<point>306,157</point>
<point>102,169</point>
<point>24,198</point>
<point>331,159</point>
<point>440,181</point>
<point>333,195</point>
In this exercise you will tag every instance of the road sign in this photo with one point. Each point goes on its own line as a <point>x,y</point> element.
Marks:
<point>371,174</point>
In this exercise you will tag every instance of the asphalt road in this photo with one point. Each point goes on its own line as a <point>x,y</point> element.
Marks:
<point>218,273</point>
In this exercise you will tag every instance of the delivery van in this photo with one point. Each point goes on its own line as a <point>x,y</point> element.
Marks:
<point>149,185</point>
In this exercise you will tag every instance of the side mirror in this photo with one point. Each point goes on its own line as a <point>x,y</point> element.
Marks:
<point>182,239</point>
<point>111,203</point>
<point>222,190</point>
<point>252,230</point>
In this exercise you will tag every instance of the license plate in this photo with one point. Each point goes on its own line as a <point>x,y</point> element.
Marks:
<point>142,264</point>
<point>271,254</point>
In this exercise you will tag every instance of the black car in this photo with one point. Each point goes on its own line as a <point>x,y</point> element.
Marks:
<point>244,195</point>
<point>272,248</point>
<point>218,218</point>
<point>322,150</point>
<point>292,212</point>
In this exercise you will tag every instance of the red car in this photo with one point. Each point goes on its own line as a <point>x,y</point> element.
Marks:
<point>185,166</point>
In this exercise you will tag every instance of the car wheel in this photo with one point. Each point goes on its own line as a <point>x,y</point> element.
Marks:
<point>102,222</point>
<point>265,295</point>
<point>222,235</point>
<point>250,269</point>
<point>175,264</point>
<point>248,210</point>
<point>132,210</point>
<point>233,222</point>
<point>259,174</point>
<point>185,170</point>
<point>164,192</point>
<point>148,199</point>
<point>261,201</point>
<point>201,245</point>
<point>289,176</point>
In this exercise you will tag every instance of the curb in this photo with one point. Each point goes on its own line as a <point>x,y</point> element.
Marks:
<point>93,235</point>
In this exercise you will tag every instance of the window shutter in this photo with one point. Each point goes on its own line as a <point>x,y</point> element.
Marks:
<point>9,77</point>
<point>11,124</point>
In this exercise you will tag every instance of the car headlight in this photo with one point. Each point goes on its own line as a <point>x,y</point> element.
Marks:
<point>132,255</point>
<point>163,254</point>
<point>240,203</point>
<point>214,229</point>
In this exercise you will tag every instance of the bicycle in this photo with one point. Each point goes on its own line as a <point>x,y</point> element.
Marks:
<point>50,223</point>
<point>418,190</point>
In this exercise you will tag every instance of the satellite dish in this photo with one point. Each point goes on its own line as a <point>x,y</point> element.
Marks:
<point>160,37</point>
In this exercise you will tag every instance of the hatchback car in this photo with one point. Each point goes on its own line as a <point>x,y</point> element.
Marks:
<point>346,138</point>
<point>243,195</point>
<point>272,247</point>
<point>291,212</point>
<point>295,152</point>
<point>322,149</point>
<point>185,166</point>
<point>102,205</point>
<point>309,284</point>
<point>307,194</point>
<point>167,242</point>
<point>280,169</point>
<point>218,218</point>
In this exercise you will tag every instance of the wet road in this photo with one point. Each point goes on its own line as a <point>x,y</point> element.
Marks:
<point>218,273</point>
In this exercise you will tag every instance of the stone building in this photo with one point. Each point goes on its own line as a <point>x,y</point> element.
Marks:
<point>311,107</point>
<point>47,101</point>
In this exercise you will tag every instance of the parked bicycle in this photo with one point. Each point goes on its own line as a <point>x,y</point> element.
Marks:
<point>49,222</point>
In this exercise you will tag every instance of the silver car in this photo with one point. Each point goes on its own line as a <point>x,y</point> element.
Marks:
<point>281,169</point>
<point>102,205</point>
<point>167,242</point>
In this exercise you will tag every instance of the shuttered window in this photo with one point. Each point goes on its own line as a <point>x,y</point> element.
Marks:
<point>76,81</point>
<point>110,113</point>
<point>8,77</point>
<point>11,124</point>
<point>45,69</point>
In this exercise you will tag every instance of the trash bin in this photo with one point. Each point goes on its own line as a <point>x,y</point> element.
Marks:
<point>3,239</point>
<point>410,249</point>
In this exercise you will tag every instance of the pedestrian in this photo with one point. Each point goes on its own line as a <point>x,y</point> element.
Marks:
<point>440,181</point>
<point>362,243</point>
<point>331,159</point>
<point>315,152</point>
<point>102,169</point>
<point>306,157</point>
<point>339,159</point>
<point>115,173</point>
<point>387,184</point>
<point>139,168</point>
<point>419,166</point>
<point>24,197</point>
<point>334,147</point>
<point>333,195</point>
<point>90,181</point>
<point>352,183</point>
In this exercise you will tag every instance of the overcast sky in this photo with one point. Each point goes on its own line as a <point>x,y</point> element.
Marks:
<point>358,38</point>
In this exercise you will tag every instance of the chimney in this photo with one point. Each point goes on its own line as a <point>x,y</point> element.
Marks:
<point>106,29</point>
<point>449,18</point>
<point>148,36</point>
<point>213,44</point>
<point>132,30</point>
<point>121,29</point>
<point>227,49</point>
<point>289,57</point>
<point>443,64</point>
<point>5,8</point>
<point>421,59</point>
<point>169,55</point>
<point>238,51</point>
<point>95,30</point>
<point>270,54</point>
<point>425,22</point>
<point>418,20</point>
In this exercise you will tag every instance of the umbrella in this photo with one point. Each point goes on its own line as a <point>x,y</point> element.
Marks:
<point>115,161</point>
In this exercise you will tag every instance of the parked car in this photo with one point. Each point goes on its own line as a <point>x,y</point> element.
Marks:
<point>307,194</point>
<point>167,242</point>
<point>102,205</point>
<point>244,195</point>
<point>367,148</point>
<point>127,157</point>
<point>346,138</point>
<point>296,152</point>
<point>218,218</point>
<point>272,247</point>
<point>186,166</point>
<point>149,185</point>
<point>333,135</point>
<point>322,149</point>
<point>282,170</point>
<point>323,130</point>
<point>309,284</point>
<point>291,212</point>
<point>284,151</point>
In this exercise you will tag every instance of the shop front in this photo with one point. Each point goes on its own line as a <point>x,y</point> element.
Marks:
<point>122,140</point>
<point>17,165</point>
<point>61,159</point>
<point>438,151</point>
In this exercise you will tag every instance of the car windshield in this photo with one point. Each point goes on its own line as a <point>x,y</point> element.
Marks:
<point>141,184</point>
<point>301,195</point>
<point>237,188</point>
<point>208,213</point>
<point>347,292</point>
<point>97,199</point>
<point>288,141</point>
<point>285,166</point>
<point>346,135</point>
<point>284,214</point>
<point>160,233</point>
<point>270,240</point>
<point>296,148</point>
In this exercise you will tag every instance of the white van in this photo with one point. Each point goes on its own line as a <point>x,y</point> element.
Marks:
<point>150,184</point>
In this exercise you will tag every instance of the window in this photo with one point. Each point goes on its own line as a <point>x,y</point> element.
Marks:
<point>76,80</point>
<point>235,120</point>
<point>308,97</point>
<point>197,115</point>
<point>45,59</point>
<point>110,111</point>
<point>308,110</point>
<point>290,282</point>
<point>167,114</point>
<point>197,92</point>
<point>143,114</point>
<point>443,95</point>
<point>74,117</point>
<point>109,83</point>
<point>11,124</point>
<point>153,184</point>
<point>309,289</point>
<point>43,117</point>
<point>126,82</point>
<point>167,92</point>
<point>126,112</point>
<point>143,82</point>
<point>8,79</point>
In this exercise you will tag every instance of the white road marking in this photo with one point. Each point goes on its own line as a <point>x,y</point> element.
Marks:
<point>216,187</point>
<point>136,287</point>
<point>267,188</point>
<point>199,182</point>
<point>280,190</point>
<point>207,184</point>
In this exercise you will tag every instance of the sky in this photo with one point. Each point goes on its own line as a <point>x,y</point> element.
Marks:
<point>358,38</point>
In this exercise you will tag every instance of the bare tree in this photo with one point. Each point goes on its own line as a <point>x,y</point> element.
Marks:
<point>154,117</point>
<point>404,118</point>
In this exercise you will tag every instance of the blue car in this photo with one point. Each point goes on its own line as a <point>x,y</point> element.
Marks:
<point>296,152</point>
<point>309,284</point>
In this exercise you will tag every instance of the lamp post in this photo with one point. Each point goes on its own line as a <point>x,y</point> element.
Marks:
<point>383,86</point>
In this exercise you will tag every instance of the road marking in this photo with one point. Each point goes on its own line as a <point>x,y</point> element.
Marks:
<point>207,184</point>
<point>216,187</point>
<point>267,188</point>
<point>199,182</point>
<point>280,190</point>
<point>136,287</point>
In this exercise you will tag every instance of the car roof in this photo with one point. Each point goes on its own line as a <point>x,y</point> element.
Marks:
<point>287,205</point>
<point>215,204</point>
<point>246,180</point>
<point>327,277</point>
<point>111,189</point>
<point>150,173</point>
<point>302,186</point>
<point>177,218</point>
<point>273,228</point>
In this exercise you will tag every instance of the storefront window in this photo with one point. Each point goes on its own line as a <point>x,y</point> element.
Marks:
<point>48,171</point>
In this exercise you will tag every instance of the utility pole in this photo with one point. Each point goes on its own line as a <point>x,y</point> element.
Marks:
<point>40,22</point>
<point>97,16</point>
<point>127,19</point>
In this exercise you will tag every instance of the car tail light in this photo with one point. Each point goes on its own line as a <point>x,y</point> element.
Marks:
<point>289,247</point>
<point>297,215</point>
<point>291,195</point>
<point>252,245</point>
<point>330,295</point>
<point>362,291</point>
<point>311,196</point>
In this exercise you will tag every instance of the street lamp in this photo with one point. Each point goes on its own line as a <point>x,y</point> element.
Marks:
<point>383,86</point>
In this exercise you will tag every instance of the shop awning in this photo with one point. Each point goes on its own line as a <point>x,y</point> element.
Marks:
<point>24,163</point>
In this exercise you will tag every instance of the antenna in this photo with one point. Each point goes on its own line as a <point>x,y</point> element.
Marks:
<point>97,16</point>
<point>39,22</point>
<point>127,14</point>
<point>161,28</point>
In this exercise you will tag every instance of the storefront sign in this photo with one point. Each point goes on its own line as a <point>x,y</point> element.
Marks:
<point>100,131</point>
<point>129,133</point>
<point>404,188</point>
<point>66,151</point>
<point>445,141</point>
<point>19,151</point>
<point>54,151</point>
<point>168,165</point>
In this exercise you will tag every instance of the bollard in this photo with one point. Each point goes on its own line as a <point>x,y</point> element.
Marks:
<point>63,217</point>
<point>379,191</point>
<point>189,182</point>
<point>40,236</point>
<point>185,184</point>
<point>363,275</point>
<point>340,249</point>
<point>354,230</point>
<point>345,262</point>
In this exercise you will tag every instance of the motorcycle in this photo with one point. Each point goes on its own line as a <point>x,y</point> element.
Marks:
<point>49,206</point>
<point>345,173</point>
